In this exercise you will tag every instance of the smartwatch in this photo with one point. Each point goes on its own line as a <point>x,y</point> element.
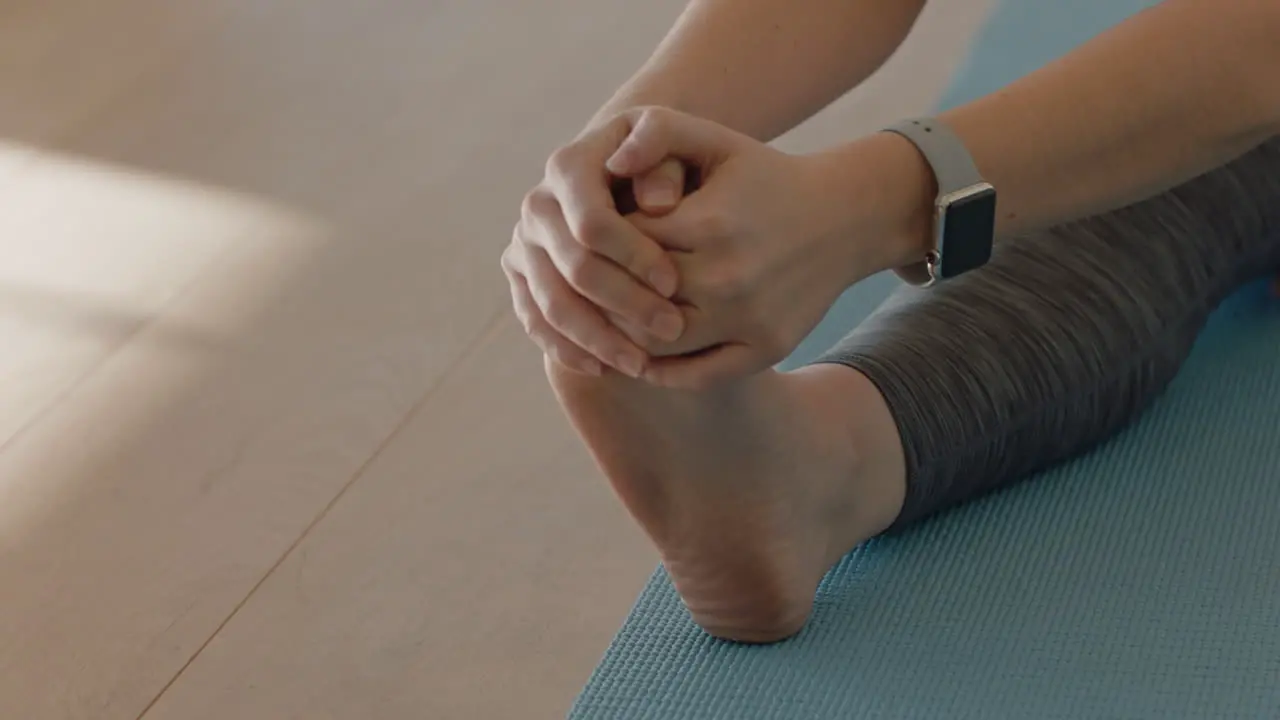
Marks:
<point>964,218</point>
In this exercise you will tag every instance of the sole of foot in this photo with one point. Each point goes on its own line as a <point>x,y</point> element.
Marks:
<point>751,490</point>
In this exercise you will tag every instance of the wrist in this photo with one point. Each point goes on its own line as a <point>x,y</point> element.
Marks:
<point>628,98</point>
<point>882,194</point>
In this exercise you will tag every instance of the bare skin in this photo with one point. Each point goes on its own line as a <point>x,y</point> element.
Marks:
<point>751,491</point>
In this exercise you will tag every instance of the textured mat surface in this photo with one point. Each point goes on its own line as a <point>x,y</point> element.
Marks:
<point>1142,580</point>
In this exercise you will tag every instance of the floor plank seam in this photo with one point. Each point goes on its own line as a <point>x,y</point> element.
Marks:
<point>490,328</point>
<point>114,350</point>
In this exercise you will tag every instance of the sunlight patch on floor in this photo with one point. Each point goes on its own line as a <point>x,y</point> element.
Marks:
<point>94,257</point>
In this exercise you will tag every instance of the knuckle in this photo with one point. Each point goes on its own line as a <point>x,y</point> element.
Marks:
<point>557,354</point>
<point>636,335</point>
<point>552,345</point>
<point>653,117</point>
<point>554,349</point>
<point>527,203</point>
<point>593,230</point>
<point>561,162</point>
<point>579,271</point>
<point>558,313</point>
<point>534,203</point>
<point>631,258</point>
<point>508,259</point>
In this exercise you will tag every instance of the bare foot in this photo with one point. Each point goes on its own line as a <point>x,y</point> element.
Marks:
<point>750,492</point>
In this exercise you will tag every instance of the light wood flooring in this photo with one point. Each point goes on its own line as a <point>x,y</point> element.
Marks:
<point>271,444</point>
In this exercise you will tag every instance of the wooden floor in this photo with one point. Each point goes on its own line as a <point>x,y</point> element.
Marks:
<point>271,445</point>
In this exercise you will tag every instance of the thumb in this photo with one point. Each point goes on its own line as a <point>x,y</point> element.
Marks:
<point>658,133</point>
<point>658,191</point>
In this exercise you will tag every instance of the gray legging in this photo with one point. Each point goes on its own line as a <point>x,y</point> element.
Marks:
<point>1065,336</point>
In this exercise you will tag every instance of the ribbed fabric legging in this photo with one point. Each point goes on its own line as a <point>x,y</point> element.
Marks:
<point>1065,336</point>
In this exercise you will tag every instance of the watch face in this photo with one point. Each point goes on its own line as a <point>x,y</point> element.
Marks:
<point>968,225</point>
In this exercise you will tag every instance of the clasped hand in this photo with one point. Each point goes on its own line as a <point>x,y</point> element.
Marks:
<point>687,291</point>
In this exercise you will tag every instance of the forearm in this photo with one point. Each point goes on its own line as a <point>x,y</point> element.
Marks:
<point>763,66</point>
<point>1173,92</point>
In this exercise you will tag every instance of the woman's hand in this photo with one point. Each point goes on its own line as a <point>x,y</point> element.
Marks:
<point>767,242</point>
<point>578,269</point>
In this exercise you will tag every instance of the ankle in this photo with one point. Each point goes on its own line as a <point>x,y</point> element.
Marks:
<point>848,411</point>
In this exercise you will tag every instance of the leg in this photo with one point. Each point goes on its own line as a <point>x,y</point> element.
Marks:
<point>1066,336</point>
<point>750,492</point>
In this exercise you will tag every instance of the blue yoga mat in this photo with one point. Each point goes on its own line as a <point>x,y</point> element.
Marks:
<point>1139,581</point>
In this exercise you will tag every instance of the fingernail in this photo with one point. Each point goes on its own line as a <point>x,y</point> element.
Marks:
<point>664,281</point>
<point>619,161</point>
<point>660,196</point>
<point>630,364</point>
<point>667,326</point>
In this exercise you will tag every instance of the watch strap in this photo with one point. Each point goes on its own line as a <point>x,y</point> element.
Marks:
<point>952,164</point>
<point>953,169</point>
